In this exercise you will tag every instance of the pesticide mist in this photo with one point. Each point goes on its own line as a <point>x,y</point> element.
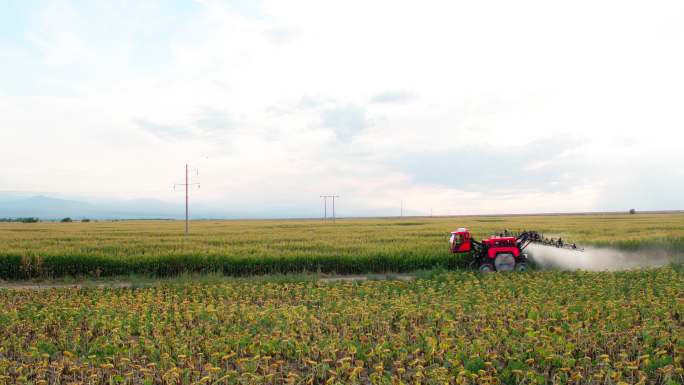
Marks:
<point>597,259</point>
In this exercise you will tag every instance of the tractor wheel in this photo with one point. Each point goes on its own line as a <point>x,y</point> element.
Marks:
<point>473,265</point>
<point>522,266</point>
<point>487,268</point>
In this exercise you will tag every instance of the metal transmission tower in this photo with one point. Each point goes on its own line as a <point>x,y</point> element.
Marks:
<point>187,182</point>
<point>325,203</point>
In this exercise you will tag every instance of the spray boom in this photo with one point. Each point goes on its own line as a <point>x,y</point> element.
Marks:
<point>527,237</point>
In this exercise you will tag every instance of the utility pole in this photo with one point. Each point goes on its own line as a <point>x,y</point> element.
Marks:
<point>334,196</point>
<point>187,183</point>
<point>325,203</point>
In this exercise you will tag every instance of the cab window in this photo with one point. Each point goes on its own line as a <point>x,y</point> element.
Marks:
<point>458,240</point>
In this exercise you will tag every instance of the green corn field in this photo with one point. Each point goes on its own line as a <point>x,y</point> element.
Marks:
<point>239,248</point>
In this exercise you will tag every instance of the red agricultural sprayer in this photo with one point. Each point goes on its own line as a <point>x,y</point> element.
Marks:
<point>501,252</point>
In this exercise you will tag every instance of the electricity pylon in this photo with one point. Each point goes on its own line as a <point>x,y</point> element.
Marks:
<point>187,183</point>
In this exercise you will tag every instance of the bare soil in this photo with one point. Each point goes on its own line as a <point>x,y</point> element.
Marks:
<point>32,285</point>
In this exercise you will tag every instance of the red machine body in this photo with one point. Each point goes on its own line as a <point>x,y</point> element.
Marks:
<point>501,245</point>
<point>501,252</point>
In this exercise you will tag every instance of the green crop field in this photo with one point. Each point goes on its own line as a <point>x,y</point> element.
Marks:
<point>446,327</point>
<point>456,328</point>
<point>237,248</point>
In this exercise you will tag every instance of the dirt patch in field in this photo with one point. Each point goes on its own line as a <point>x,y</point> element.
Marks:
<point>98,284</point>
<point>364,278</point>
<point>43,286</point>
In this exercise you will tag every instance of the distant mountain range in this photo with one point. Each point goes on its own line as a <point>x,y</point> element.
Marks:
<point>51,209</point>
<point>46,208</point>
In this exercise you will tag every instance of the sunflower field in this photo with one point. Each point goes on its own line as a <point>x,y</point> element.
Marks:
<point>548,327</point>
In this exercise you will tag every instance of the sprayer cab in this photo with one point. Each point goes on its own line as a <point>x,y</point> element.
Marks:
<point>460,241</point>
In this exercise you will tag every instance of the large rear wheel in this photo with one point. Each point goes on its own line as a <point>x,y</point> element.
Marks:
<point>473,265</point>
<point>487,268</point>
<point>522,266</point>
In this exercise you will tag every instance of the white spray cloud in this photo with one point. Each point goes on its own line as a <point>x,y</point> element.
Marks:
<point>597,259</point>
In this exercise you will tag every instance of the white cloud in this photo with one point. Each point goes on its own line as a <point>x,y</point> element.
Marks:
<point>281,35</point>
<point>516,107</point>
<point>347,121</point>
<point>401,96</point>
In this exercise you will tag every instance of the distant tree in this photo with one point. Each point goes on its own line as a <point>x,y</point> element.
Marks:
<point>632,211</point>
<point>29,220</point>
<point>85,219</point>
<point>67,219</point>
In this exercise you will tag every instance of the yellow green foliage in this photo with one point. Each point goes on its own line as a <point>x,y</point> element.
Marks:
<point>461,327</point>
<point>352,246</point>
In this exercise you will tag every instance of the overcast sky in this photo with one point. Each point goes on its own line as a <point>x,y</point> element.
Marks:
<point>451,106</point>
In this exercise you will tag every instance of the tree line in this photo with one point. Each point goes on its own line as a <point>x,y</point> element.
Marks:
<point>34,220</point>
